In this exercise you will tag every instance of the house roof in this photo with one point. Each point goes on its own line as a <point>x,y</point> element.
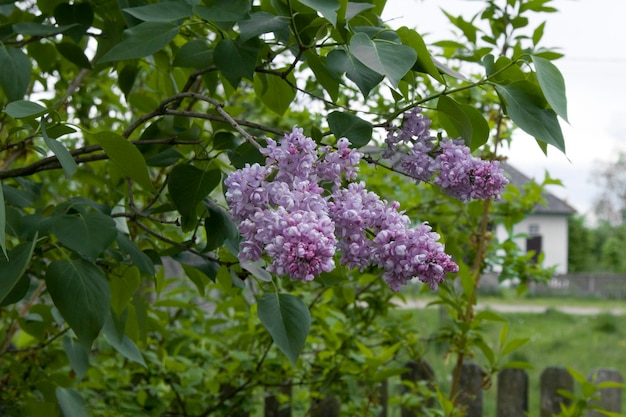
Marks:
<point>554,205</point>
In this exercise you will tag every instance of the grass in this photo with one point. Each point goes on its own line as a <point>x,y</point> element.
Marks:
<point>556,339</point>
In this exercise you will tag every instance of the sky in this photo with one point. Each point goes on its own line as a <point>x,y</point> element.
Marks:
<point>592,36</point>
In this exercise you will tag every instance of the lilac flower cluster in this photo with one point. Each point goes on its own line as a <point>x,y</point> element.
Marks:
<point>456,171</point>
<point>285,211</point>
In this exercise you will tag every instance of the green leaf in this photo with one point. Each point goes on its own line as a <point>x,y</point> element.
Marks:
<point>246,153</point>
<point>463,120</point>
<point>188,186</point>
<point>453,119</point>
<point>552,84</point>
<point>194,54</point>
<point>60,151</point>
<point>80,292</point>
<point>37,29</point>
<point>86,233</point>
<point>77,355</point>
<point>354,9</point>
<point>525,107</point>
<point>74,54</point>
<point>327,8</point>
<point>364,78</point>
<point>15,74</point>
<point>480,126</point>
<point>324,75</point>
<point>123,288</point>
<point>14,266</point>
<point>504,71</point>
<point>218,226</point>
<point>137,256</point>
<point>260,23</point>
<point>71,403</point>
<point>123,345</point>
<point>275,92</point>
<point>538,33</point>
<point>257,269</point>
<point>514,344</point>
<point>167,11</point>
<point>489,316</point>
<point>287,319</point>
<point>424,61</point>
<point>346,125</point>
<point>223,10</point>
<point>236,61</point>
<point>142,40</point>
<point>45,54</point>
<point>3,226</point>
<point>21,109</point>
<point>487,351</point>
<point>126,157</point>
<point>386,58</point>
<point>80,14</point>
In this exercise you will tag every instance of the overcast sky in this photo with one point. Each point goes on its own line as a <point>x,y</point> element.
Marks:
<point>592,36</point>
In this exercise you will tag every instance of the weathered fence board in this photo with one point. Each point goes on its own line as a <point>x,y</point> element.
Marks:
<point>610,398</point>
<point>553,379</point>
<point>512,395</point>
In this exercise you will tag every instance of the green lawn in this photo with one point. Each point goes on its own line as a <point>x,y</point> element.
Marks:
<point>556,339</point>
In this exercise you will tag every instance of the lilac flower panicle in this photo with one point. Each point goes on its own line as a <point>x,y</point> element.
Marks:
<point>285,214</point>
<point>466,177</point>
<point>405,253</point>
<point>456,172</point>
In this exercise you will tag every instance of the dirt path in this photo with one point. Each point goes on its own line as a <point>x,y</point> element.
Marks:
<point>528,308</point>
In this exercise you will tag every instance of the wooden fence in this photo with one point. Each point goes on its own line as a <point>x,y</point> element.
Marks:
<point>512,393</point>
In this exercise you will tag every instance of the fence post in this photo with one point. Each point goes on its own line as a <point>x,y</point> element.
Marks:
<point>326,407</point>
<point>554,378</point>
<point>610,398</point>
<point>417,371</point>
<point>471,389</point>
<point>512,396</point>
<point>274,407</point>
<point>237,409</point>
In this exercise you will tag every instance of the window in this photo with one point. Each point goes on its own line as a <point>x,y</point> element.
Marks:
<point>533,229</point>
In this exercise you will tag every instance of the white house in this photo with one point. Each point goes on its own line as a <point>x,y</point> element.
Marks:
<point>545,228</point>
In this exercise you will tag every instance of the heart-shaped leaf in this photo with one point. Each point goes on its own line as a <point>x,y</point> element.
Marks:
<point>288,320</point>
<point>386,58</point>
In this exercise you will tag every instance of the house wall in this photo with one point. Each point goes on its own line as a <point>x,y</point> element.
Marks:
<point>552,229</point>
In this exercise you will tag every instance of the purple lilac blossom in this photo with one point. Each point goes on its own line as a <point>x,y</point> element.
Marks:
<point>405,253</point>
<point>284,213</point>
<point>466,177</point>
<point>456,172</point>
